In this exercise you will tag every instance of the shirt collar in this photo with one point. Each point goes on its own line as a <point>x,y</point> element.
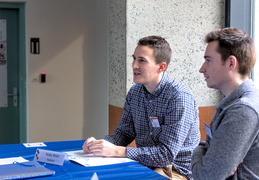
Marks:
<point>159,87</point>
<point>236,94</point>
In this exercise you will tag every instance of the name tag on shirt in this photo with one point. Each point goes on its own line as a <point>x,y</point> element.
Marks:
<point>154,121</point>
<point>207,129</point>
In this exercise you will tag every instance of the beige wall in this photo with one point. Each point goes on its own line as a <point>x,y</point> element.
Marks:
<point>73,103</point>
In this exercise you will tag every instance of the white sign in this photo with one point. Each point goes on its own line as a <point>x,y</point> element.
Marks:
<point>37,144</point>
<point>3,64</point>
<point>51,157</point>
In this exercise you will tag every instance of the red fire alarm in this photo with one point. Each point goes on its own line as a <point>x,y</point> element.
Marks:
<point>43,77</point>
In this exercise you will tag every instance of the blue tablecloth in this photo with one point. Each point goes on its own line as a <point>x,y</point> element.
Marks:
<point>70,170</point>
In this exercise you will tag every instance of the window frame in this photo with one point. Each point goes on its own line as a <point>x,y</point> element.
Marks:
<point>241,14</point>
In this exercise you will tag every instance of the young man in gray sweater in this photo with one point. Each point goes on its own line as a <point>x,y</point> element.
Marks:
<point>231,150</point>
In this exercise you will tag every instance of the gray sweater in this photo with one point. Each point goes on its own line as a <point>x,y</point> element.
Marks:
<point>234,141</point>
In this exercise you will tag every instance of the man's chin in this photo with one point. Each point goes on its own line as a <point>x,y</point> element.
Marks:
<point>210,86</point>
<point>136,81</point>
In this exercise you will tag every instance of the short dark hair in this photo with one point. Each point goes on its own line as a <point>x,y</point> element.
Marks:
<point>162,50</point>
<point>233,41</point>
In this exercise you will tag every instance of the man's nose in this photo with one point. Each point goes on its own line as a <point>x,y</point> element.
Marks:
<point>134,64</point>
<point>202,69</point>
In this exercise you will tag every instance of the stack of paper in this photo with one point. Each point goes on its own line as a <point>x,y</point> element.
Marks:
<point>84,159</point>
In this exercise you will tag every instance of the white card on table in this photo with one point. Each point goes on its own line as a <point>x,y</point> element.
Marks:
<point>38,144</point>
<point>51,157</point>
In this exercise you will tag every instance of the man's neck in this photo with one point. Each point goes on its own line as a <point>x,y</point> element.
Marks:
<point>152,87</point>
<point>233,85</point>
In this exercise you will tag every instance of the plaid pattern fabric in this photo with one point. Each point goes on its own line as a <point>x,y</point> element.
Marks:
<point>173,141</point>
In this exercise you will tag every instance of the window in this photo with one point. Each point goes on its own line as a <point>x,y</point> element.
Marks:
<point>255,33</point>
<point>244,14</point>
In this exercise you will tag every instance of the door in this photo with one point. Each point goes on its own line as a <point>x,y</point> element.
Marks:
<point>12,76</point>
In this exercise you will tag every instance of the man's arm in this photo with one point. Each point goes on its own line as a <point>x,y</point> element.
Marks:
<point>228,146</point>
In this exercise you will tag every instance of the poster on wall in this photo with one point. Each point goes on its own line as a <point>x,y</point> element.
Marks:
<point>3,64</point>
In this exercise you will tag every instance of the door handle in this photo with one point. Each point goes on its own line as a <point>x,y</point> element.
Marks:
<point>15,95</point>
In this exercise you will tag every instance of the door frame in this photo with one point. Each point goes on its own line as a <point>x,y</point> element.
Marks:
<point>22,98</point>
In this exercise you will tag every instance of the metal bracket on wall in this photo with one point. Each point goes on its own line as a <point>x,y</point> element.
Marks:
<point>15,95</point>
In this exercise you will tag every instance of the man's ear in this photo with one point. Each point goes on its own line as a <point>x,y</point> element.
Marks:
<point>162,66</point>
<point>233,63</point>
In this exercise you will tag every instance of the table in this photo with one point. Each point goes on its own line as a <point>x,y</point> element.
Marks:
<point>70,170</point>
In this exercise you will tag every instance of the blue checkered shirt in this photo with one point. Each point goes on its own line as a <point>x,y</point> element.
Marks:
<point>173,142</point>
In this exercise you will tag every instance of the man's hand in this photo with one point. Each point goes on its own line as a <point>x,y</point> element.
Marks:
<point>87,144</point>
<point>103,148</point>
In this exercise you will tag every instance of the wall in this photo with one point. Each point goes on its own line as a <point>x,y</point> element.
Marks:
<point>73,103</point>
